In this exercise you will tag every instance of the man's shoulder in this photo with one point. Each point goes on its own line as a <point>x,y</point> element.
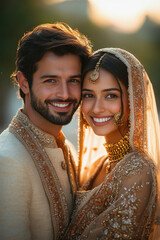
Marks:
<point>8,139</point>
<point>10,146</point>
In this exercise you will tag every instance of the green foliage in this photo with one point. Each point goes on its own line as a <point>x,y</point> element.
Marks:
<point>20,16</point>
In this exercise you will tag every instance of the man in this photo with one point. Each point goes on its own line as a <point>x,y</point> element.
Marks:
<point>37,173</point>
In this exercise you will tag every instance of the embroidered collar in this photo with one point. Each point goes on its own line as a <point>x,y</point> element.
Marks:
<point>45,139</point>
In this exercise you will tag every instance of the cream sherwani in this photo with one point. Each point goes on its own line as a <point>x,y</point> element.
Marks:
<point>36,193</point>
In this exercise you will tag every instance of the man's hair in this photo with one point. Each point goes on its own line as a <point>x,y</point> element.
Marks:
<point>58,38</point>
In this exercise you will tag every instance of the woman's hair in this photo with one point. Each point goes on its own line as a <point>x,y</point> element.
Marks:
<point>58,38</point>
<point>111,64</point>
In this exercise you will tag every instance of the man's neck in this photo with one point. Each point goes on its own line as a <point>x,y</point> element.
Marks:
<point>42,123</point>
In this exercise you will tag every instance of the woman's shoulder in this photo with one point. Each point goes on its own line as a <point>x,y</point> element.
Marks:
<point>139,158</point>
<point>135,163</point>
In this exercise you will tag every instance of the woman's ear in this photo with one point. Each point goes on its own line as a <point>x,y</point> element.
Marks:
<point>22,82</point>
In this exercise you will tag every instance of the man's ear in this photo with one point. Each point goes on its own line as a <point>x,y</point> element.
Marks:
<point>22,82</point>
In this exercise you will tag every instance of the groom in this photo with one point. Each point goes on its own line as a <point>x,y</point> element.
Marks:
<point>37,171</point>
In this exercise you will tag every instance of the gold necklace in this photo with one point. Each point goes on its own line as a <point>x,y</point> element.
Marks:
<point>117,151</point>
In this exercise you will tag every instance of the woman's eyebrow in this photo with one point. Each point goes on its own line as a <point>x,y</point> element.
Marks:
<point>111,89</point>
<point>85,89</point>
<point>104,90</point>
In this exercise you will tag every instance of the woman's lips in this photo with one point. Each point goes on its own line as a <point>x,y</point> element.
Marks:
<point>100,121</point>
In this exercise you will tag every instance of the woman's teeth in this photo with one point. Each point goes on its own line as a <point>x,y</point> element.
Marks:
<point>100,120</point>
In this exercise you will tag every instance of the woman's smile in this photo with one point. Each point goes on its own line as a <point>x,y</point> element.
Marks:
<point>101,121</point>
<point>101,101</point>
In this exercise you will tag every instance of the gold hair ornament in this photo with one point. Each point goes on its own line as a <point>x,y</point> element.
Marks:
<point>117,151</point>
<point>94,75</point>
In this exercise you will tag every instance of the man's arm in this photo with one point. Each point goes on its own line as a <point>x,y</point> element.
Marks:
<point>14,200</point>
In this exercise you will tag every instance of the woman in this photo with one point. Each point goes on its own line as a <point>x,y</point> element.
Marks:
<point>118,192</point>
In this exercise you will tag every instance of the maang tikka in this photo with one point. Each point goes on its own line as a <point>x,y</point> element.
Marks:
<point>94,75</point>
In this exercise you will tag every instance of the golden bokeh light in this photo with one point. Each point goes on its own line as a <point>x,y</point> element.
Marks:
<point>123,15</point>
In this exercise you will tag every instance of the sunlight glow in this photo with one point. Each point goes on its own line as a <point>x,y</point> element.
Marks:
<point>53,1</point>
<point>123,15</point>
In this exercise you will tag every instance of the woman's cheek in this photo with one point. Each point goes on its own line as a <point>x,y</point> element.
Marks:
<point>86,106</point>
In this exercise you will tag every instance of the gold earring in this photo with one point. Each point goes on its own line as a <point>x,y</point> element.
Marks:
<point>118,119</point>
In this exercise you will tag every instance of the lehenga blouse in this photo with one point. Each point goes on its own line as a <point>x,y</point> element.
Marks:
<point>126,204</point>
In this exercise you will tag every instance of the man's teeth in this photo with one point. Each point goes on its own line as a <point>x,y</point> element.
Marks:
<point>100,120</point>
<point>62,105</point>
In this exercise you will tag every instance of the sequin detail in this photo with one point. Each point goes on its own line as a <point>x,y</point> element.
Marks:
<point>113,205</point>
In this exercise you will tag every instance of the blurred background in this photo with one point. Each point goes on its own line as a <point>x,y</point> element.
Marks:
<point>132,25</point>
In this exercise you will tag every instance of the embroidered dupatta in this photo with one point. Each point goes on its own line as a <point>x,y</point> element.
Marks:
<point>143,136</point>
<point>145,129</point>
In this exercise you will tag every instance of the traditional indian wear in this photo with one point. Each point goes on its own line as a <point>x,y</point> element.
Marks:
<point>37,182</point>
<point>126,204</point>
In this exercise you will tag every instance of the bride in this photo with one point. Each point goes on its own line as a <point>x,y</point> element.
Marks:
<point>118,151</point>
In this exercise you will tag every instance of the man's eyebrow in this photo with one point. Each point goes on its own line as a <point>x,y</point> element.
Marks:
<point>56,76</point>
<point>49,76</point>
<point>104,90</point>
<point>76,76</point>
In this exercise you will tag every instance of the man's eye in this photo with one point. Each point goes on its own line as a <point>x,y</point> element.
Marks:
<point>50,81</point>
<point>75,80</point>
<point>87,95</point>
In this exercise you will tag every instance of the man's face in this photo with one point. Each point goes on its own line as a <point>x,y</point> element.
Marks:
<point>56,87</point>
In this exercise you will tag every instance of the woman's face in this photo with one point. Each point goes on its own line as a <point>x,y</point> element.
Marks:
<point>100,101</point>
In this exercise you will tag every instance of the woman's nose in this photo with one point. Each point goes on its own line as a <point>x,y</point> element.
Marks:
<point>98,106</point>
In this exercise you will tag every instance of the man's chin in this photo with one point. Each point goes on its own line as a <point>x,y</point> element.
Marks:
<point>64,121</point>
<point>61,119</point>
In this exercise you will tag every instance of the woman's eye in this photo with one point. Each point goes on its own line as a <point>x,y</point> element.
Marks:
<point>87,95</point>
<point>111,95</point>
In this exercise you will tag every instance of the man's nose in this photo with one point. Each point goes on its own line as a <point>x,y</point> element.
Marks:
<point>63,91</point>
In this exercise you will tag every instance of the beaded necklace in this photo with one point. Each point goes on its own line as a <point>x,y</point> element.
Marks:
<point>117,151</point>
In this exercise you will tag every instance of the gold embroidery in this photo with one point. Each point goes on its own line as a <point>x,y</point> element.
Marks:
<point>135,74</point>
<point>157,221</point>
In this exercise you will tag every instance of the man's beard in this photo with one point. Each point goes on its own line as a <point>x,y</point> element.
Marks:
<point>43,110</point>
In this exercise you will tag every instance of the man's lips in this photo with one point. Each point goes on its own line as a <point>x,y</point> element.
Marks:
<point>61,107</point>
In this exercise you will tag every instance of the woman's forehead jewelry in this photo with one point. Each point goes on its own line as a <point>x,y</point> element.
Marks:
<point>94,75</point>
